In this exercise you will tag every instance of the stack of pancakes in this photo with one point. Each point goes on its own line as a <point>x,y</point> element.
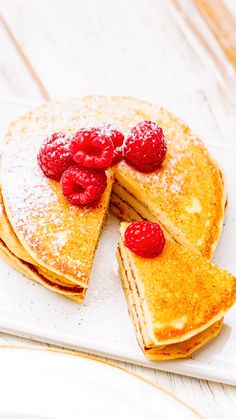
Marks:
<point>187,193</point>
<point>42,235</point>
<point>53,242</point>
<point>177,300</point>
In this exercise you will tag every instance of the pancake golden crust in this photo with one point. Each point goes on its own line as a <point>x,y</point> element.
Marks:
<point>181,293</point>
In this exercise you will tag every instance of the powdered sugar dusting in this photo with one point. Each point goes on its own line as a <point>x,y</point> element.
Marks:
<point>30,182</point>
<point>170,178</point>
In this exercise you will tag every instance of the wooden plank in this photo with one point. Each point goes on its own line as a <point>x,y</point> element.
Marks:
<point>141,48</point>
<point>195,22</point>
<point>218,97</point>
<point>14,76</point>
<point>92,47</point>
<point>222,23</point>
<point>24,58</point>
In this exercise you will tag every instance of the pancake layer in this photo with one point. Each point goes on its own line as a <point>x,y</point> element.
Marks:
<point>30,271</point>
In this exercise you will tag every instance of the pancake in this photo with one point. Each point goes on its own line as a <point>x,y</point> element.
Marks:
<point>175,296</point>
<point>39,226</point>
<point>187,194</point>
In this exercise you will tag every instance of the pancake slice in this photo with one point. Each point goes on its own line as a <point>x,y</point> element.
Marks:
<point>40,226</point>
<point>178,195</point>
<point>166,352</point>
<point>174,298</point>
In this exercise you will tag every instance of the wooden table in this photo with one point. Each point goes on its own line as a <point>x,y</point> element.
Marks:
<point>177,53</point>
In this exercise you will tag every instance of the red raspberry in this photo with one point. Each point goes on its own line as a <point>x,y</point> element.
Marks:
<point>91,148</point>
<point>117,139</point>
<point>145,147</point>
<point>145,238</point>
<point>54,156</point>
<point>83,186</point>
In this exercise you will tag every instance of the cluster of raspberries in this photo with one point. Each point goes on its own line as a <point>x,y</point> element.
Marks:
<point>80,162</point>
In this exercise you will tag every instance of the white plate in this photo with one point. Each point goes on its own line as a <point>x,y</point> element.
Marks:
<point>101,325</point>
<point>52,385</point>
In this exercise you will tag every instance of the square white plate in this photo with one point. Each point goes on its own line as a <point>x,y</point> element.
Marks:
<point>101,325</point>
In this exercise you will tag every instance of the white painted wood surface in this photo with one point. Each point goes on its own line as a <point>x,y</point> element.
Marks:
<point>142,48</point>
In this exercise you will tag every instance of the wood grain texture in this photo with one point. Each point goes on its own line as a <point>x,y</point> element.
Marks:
<point>14,76</point>
<point>145,48</point>
<point>202,33</point>
<point>24,59</point>
<point>148,52</point>
<point>222,24</point>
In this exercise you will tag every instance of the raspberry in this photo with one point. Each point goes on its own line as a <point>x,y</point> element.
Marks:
<point>83,186</point>
<point>145,238</point>
<point>145,147</point>
<point>91,148</point>
<point>117,139</point>
<point>54,156</point>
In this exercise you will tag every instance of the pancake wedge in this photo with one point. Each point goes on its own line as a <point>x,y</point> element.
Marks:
<point>38,225</point>
<point>186,194</point>
<point>174,298</point>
